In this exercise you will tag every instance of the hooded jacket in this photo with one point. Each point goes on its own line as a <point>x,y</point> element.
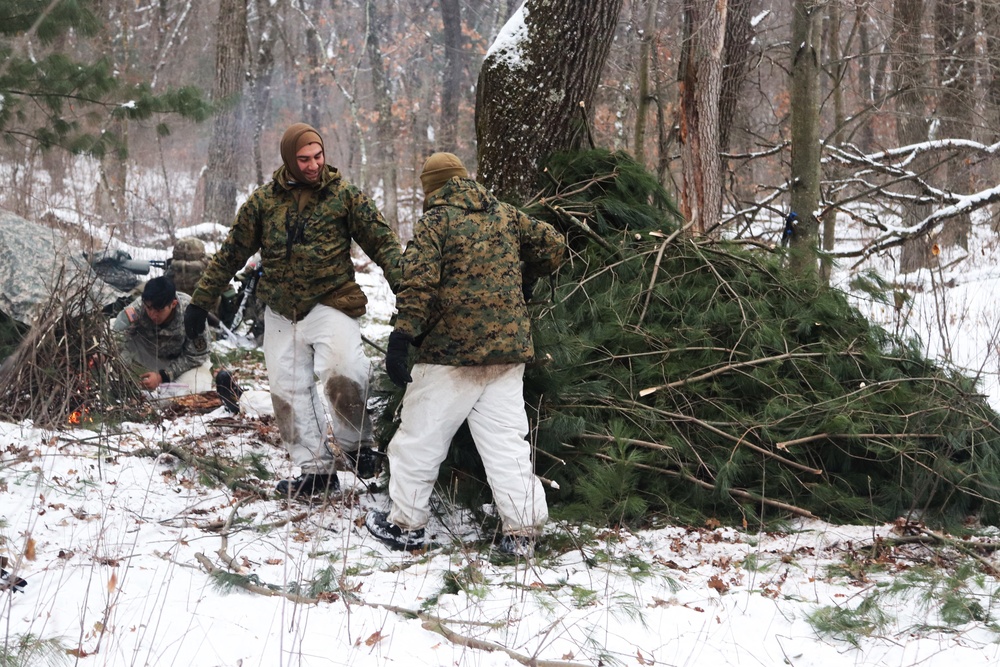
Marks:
<point>306,255</point>
<point>461,293</point>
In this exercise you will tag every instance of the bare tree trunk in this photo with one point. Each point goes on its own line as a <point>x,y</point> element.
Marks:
<point>866,138</point>
<point>534,95</point>
<point>644,98</point>
<point>260,81</point>
<point>735,65</point>
<point>701,87</point>
<point>451,90</point>
<point>222,173</point>
<point>112,186</point>
<point>806,17</point>
<point>911,123</point>
<point>991,29</point>
<point>310,78</point>
<point>385,127</point>
<point>955,25</point>
<point>835,69</point>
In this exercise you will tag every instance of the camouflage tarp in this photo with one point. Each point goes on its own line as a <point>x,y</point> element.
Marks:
<point>32,259</point>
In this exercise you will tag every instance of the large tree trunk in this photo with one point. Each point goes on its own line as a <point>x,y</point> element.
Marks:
<point>384,125</point>
<point>911,122</point>
<point>534,93</point>
<point>806,36</point>
<point>955,27</point>
<point>701,88</point>
<point>735,65</point>
<point>224,159</point>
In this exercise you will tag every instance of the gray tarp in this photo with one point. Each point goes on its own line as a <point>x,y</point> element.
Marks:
<point>33,258</point>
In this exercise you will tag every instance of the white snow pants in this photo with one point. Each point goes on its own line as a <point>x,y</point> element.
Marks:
<point>436,403</point>
<point>326,344</point>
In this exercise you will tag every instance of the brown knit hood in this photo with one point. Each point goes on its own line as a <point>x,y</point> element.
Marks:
<point>295,137</point>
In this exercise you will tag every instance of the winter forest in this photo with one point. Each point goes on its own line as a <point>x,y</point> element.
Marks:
<point>901,99</point>
<point>776,315</point>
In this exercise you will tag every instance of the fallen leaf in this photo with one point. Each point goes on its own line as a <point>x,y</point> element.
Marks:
<point>113,582</point>
<point>374,638</point>
<point>29,549</point>
<point>718,584</point>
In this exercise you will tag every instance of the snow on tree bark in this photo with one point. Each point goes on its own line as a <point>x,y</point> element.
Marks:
<point>535,88</point>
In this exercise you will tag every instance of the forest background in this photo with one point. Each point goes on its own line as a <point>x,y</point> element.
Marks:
<point>882,117</point>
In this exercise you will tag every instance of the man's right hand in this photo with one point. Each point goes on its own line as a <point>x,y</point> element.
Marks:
<point>396,356</point>
<point>195,318</point>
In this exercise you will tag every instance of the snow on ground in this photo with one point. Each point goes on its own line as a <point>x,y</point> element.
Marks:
<point>116,541</point>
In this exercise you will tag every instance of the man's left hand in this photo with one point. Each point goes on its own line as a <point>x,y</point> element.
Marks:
<point>150,380</point>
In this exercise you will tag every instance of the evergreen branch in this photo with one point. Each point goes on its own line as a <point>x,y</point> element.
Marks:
<point>822,436</point>
<point>731,367</point>
<point>656,266</point>
<point>630,441</point>
<point>738,493</point>
<point>581,225</point>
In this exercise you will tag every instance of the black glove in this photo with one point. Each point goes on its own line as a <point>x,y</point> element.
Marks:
<point>195,318</point>
<point>396,356</point>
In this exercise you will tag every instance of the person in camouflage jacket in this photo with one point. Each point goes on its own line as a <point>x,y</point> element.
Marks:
<point>303,222</point>
<point>462,301</point>
<point>151,336</point>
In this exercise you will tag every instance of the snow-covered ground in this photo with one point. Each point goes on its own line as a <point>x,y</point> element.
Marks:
<point>117,542</point>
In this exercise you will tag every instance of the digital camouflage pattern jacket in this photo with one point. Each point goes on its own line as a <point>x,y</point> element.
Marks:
<point>462,277</point>
<point>160,348</point>
<point>306,256</point>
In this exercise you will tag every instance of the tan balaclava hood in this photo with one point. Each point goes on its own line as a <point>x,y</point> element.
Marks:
<point>295,137</point>
<point>438,169</point>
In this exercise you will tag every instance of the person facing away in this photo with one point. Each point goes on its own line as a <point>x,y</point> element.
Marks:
<point>302,222</point>
<point>152,337</point>
<point>462,302</point>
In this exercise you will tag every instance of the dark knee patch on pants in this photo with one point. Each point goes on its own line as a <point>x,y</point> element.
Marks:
<point>346,399</point>
<point>286,419</point>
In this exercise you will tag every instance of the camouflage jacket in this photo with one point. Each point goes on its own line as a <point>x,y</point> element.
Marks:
<point>306,256</point>
<point>160,348</point>
<point>462,277</point>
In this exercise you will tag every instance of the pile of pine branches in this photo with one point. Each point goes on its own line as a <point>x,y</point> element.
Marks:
<point>696,377</point>
<point>691,378</point>
<point>66,370</point>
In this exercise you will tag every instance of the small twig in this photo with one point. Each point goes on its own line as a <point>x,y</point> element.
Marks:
<point>656,266</point>
<point>472,642</point>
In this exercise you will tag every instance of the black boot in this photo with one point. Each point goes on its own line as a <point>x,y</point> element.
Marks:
<point>228,391</point>
<point>308,484</point>
<point>365,461</point>
<point>396,538</point>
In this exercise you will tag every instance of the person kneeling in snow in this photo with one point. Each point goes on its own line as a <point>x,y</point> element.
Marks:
<point>152,337</point>
<point>463,297</point>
